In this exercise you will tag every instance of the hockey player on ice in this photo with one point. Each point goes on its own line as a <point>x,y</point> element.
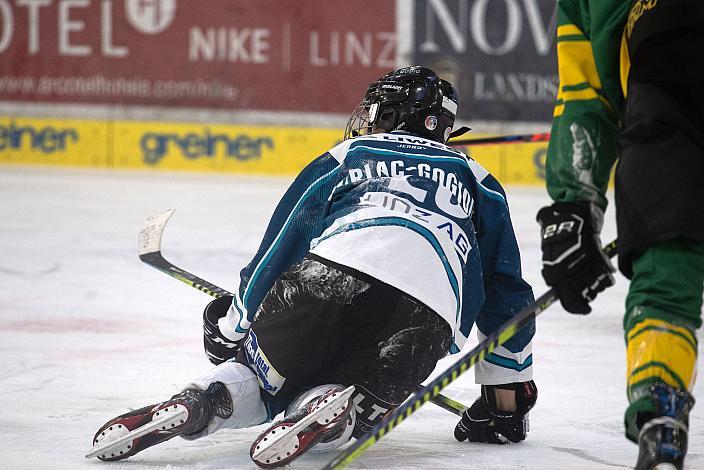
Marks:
<point>377,262</point>
<point>630,80</point>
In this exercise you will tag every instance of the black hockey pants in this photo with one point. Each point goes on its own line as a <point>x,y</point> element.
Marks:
<point>325,323</point>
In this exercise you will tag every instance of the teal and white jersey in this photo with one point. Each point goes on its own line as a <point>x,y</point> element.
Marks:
<point>417,215</point>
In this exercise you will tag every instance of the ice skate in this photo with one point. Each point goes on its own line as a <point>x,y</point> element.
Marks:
<point>663,440</point>
<point>324,419</point>
<point>186,413</point>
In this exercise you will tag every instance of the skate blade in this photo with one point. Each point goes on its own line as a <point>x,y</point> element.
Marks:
<point>116,441</point>
<point>269,451</point>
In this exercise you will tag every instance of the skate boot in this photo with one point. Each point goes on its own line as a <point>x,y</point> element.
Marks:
<point>188,412</point>
<point>323,423</point>
<point>662,440</point>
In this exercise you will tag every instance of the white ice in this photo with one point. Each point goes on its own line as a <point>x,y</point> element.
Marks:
<point>88,332</point>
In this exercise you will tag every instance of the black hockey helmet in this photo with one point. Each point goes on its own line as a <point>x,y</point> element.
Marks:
<point>412,99</point>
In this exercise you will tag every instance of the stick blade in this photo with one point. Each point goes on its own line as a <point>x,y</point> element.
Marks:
<point>149,240</point>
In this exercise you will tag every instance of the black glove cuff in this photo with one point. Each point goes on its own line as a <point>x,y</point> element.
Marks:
<point>585,209</point>
<point>218,347</point>
<point>564,219</point>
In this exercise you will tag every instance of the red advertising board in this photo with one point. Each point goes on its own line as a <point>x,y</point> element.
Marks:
<point>284,55</point>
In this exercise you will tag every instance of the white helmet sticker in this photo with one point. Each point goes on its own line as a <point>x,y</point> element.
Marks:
<point>372,111</point>
<point>431,122</point>
<point>450,105</point>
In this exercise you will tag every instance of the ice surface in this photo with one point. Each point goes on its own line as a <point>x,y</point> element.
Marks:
<point>87,331</point>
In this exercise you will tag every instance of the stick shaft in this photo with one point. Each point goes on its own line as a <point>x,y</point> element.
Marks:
<point>503,139</point>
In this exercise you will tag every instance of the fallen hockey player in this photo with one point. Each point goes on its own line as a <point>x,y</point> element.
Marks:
<point>377,262</point>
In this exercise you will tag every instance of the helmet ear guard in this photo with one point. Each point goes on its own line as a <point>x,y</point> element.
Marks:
<point>412,99</point>
<point>387,119</point>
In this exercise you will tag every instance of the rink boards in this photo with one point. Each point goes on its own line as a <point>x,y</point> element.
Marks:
<point>198,147</point>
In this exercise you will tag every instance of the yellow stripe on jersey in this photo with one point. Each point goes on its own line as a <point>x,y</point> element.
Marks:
<point>576,64</point>
<point>576,95</point>
<point>624,64</point>
<point>658,349</point>
<point>576,67</point>
<point>569,30</point>
<point>579,95</point>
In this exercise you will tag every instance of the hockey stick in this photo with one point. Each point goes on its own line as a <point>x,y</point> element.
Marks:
<point>149,244</point>
<point>150,253</point>
<point>503,139</point>
<point>428,392</point>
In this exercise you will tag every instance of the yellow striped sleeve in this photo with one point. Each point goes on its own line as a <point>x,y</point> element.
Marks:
<point>576,64</point>
<point>559,109</point>
<point>577,95</point>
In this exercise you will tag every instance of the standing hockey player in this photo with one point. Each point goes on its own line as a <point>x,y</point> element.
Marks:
<point>630,87</point>
<point>376,263</point>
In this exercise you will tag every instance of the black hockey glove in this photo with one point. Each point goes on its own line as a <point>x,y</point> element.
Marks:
<point>573,262</point>
<point>482,422</point>
<point>218,347</point>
